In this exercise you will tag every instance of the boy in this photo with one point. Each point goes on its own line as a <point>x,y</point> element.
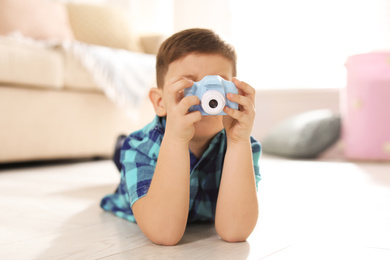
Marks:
<point>184,166</point>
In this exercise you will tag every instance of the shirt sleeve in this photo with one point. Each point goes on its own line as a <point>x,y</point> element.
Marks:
<point>256,152</point>
<point>138,159</point>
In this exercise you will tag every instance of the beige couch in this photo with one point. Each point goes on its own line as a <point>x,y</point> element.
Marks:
<point>51,108</point>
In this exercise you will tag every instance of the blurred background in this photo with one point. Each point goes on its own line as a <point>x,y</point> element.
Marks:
<point>281,43</point>
<point>63,97</point>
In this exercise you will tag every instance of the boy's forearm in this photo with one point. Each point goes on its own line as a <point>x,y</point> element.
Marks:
<point>237,206</point>
<point>162,214</point>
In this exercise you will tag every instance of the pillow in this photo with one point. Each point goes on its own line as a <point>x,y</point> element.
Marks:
<point>39,19</point>
<point>303,136</point>
<point>102,25</point>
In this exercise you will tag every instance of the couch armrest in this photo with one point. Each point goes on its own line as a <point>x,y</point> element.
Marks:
<point>151,42</point>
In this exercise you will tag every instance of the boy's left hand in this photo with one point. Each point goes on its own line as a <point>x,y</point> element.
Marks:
<point>239,123</point>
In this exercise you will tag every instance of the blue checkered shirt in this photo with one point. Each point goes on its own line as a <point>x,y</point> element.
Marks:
<point>139,158</point>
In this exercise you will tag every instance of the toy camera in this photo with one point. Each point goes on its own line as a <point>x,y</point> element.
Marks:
<point>211,91</point>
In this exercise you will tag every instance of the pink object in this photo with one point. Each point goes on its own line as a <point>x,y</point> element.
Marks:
<point>366,119</point>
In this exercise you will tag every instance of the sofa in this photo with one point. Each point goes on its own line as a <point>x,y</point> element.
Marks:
<point>52,107</point>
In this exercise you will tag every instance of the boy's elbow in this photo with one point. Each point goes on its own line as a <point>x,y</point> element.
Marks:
<point>165,239</point>
<point>233,237</point>
<point>167,235</point>
<point>234,232</point>
<point>165,230</point>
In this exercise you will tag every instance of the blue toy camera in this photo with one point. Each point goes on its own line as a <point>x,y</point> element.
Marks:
<point>211,91</point>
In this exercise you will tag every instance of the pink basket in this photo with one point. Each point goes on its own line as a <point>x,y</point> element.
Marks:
<point>366,121</point>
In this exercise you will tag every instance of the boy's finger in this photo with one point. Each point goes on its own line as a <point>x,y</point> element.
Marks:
<point>175,90</point>
<point>194,116</point>
<point>236,114</point>
<point>180,85</point>
<point>188,101</point>
<point>244,101</point>
<point>246,88</point>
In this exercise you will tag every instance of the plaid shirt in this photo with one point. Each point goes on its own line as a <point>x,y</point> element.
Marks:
<point>139,158</point>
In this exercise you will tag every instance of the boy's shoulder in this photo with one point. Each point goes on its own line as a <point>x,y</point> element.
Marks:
<point>156,127</point>
<point>145,141</point>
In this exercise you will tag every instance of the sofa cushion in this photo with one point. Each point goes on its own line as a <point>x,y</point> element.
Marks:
<point>102,25</point>
<point>30,65</point>
<point>39,19</point>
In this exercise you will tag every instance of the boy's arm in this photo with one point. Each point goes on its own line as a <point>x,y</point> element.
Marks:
<point>162,214</point>
<point>237,205</point>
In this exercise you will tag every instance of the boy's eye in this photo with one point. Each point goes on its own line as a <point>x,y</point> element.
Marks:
<point>190,77</point>
<point>225,78</point>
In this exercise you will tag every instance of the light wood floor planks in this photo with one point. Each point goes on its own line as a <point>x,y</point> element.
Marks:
<point>308,210</point>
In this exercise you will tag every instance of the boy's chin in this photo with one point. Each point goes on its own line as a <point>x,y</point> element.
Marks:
<point>208,126</point>
<point>211,118</point>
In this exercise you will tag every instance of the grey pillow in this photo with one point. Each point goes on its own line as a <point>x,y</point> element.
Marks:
<point>303,136</point>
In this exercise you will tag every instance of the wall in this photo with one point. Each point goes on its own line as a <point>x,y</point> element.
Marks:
<point>170,16</point>
<point>213,14</point>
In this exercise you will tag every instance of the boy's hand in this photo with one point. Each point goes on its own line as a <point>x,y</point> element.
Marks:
<point>239,123</point>
<point>180,122</point>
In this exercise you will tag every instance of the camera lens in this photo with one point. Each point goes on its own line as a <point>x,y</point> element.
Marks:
<point>213,103</point>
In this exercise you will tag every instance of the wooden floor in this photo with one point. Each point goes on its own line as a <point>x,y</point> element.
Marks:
<point>308,210</point>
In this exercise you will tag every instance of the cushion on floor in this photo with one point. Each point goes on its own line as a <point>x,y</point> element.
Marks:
<point>303,136</point>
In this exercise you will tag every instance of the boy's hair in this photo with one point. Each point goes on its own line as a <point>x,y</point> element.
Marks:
<point>181,44</point>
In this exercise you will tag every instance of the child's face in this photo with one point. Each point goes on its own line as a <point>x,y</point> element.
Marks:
<point>195,67</point>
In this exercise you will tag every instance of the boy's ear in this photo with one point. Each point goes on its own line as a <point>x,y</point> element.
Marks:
<point>156,97</point>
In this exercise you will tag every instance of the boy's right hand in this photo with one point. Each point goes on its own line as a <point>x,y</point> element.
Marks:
<point>180,122</point>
